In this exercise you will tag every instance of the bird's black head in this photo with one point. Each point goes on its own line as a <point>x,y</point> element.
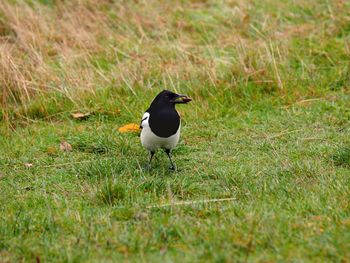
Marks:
<point>169,98</point>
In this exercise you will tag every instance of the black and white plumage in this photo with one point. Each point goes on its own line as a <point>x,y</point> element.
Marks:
<point>161,124</point>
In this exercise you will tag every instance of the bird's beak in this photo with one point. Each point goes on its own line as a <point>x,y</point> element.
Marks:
<point>181,99</point>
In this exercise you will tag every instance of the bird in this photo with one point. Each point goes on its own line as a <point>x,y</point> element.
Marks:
<point>160,124</point>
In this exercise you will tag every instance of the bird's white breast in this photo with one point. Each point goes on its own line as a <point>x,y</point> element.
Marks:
<point>152,142</point>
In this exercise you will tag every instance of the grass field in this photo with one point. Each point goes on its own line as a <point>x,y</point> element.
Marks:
<point>268,129</point>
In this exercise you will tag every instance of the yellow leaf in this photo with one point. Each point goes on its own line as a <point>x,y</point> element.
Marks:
<point>131,127</point>
<point>51,150</point>
<point>346,222</point>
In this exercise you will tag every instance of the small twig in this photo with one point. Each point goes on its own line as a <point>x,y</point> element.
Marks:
<point>59,164</point>
<point>281,134</point>
<point>191,202</point>
<point>307,100</point>
<point>64,164</point>
<point>312,139</point>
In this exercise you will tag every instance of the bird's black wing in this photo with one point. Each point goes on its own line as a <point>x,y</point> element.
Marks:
<point>144,118</point>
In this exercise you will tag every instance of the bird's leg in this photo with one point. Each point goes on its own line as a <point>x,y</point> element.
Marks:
<point>150,159</point>
<point>172,167</point>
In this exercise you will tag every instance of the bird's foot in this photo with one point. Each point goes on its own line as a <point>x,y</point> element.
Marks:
<point>173,168</point>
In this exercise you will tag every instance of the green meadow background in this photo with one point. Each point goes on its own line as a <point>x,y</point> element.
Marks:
<point>264,159</point>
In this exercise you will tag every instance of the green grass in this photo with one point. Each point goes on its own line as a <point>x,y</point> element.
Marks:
<point>286,167</point>
<point>268,126</point>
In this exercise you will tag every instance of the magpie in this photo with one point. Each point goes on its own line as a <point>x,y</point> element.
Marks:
<point>160,124</point>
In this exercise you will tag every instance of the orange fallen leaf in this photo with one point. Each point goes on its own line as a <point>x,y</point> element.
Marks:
<point>65,147</point>
<point>123,249</point>
<point>131,127</point>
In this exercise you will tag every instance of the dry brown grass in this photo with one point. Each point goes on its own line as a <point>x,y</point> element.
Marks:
<point>76,47</point>
<point>44,49</point>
